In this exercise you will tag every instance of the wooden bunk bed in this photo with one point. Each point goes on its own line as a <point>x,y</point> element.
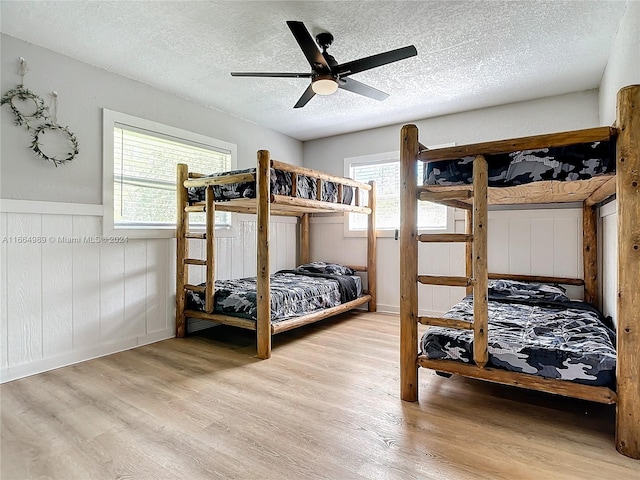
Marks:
<point>474,199</point>
<point>264,204</point>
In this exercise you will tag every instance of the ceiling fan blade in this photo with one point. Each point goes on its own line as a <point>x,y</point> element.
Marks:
<point>306,96</point>
<point>361,89</point>
<point>308,46</point>
<point>374,61</point>
<point>271,74</point>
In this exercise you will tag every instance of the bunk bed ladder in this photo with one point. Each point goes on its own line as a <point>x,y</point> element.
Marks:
<point>182,245</point>
<point>476,277</point>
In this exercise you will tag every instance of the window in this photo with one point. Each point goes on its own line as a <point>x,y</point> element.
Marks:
<point>140,174</point>
<point>385,170</point>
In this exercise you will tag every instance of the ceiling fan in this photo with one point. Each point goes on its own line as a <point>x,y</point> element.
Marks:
<point>327,75</point>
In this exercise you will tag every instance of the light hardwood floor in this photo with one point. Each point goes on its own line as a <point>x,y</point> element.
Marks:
<point>325,406</point>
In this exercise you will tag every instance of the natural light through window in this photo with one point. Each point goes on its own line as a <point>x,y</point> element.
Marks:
<point>386,173</point>
<point>145,176</point>
<point>140,173</point>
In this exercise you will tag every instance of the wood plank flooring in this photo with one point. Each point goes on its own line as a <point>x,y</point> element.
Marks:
<point>325,406</point>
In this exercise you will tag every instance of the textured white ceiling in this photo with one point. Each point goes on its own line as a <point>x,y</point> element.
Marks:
<point>471,54</point>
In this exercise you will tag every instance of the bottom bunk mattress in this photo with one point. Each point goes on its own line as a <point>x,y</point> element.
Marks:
<point>293,294</point>
<point>549,337</point>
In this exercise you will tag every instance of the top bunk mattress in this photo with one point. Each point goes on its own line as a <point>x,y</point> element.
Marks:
<point>533,330</point>
<point>281,184</point>
<point>573,162</point>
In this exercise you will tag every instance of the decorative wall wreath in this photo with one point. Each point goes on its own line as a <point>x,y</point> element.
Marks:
<point>35,143</point>
<point>22,93</point>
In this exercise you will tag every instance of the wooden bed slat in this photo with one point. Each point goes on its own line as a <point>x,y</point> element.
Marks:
<point>195,288</point>
<point>195,261</point>
<point>446,322</point>
<point>558,387</point>
<point>446,280</point>
<point>436,196</point>
<point>446,237</point>
<point>598,134</point>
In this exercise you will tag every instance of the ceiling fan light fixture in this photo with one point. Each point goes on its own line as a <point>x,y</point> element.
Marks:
<point>324,85</point>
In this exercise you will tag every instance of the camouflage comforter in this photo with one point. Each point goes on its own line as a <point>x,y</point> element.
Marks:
<point>292,295</point>
<point>280,185</point>
<point>574,162</point>
<point>564,340</point>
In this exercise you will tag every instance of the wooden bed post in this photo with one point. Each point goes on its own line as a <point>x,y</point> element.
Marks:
<point>210,213</point>
<point>263,287</point>
<point>628,312</point>
<point>590,253</point>
<point>408,264</point>
<point>468,248</point>
<point>371,248</point>
<point>182,248</point>
<point>304,239</point>
<point>480,273</point>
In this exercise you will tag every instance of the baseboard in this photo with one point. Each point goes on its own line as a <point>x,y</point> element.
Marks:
<point>32,368</point>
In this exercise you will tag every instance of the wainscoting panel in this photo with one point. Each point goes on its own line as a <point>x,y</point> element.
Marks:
<point>67,296</point>
<point>536,242</point>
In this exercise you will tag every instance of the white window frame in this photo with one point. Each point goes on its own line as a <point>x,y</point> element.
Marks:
<point>387,157</point>
<point>109,120</point>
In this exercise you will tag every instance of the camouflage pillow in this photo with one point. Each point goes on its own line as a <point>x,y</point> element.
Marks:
<point>326,268</point>
<point>524,290</point>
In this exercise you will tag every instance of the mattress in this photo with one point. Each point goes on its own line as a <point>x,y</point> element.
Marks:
<point>574,162</point>
<point>281,184</point>
<point>292,294</point>
<point>552,338</point>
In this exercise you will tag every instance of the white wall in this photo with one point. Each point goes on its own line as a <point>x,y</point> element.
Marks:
<point>83,91</point>
<point>543,242</point>
<point>62,303</point>
<point>623,68</point>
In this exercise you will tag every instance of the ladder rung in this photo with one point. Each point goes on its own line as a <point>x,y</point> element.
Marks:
<point>432,196</point>
<point>195,261</point>
<point>195,288</point>
<point>195,208</point>
<point>201,236</point>
<point>446,322</point>
<point>445,237</point>
<point>445,280</point>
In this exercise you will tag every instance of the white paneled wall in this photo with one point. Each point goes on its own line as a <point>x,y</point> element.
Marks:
<point>537,242</point>
<point>609,259</point>
<point>65,299</point>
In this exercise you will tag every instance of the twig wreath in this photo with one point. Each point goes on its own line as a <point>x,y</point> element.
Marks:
<point>41,113</point>
<point>22,93</point>
<point>41,130</point>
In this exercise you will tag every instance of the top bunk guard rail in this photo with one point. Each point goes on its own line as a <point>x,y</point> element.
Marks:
<point>200,180</point>
<point>597,134</point>
<point>283,204</point>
